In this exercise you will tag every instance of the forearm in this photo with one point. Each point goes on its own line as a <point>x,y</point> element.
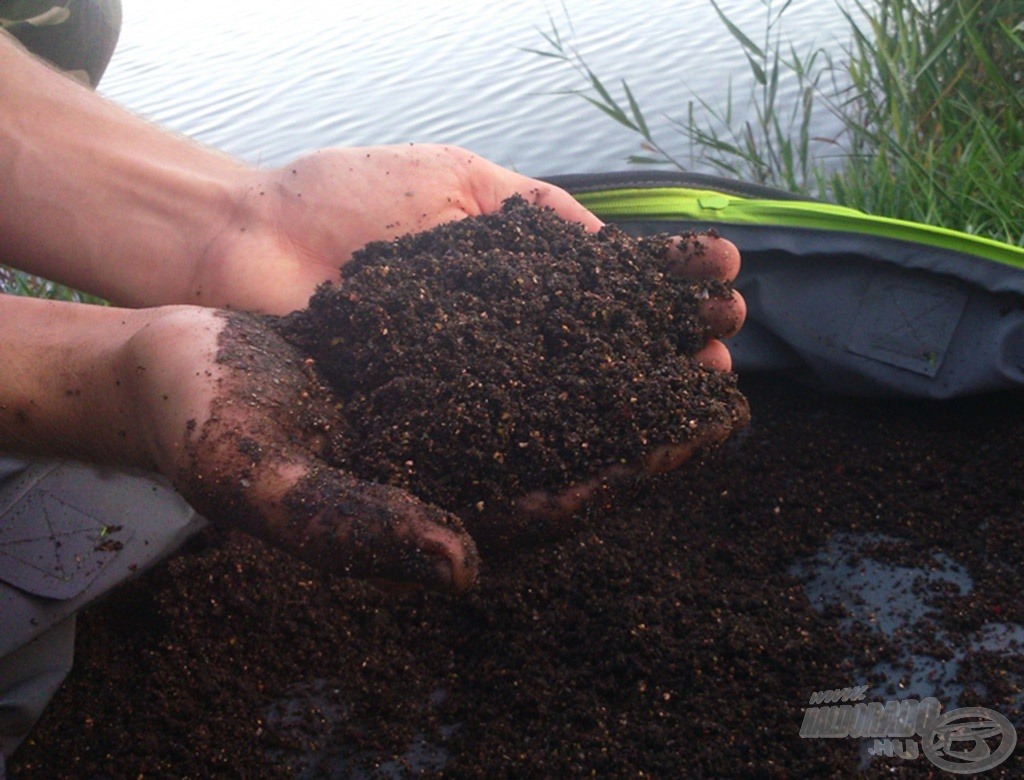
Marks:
<point>99,199</point>
<point>65,389</point>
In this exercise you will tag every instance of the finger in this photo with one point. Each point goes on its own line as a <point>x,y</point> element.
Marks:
<point>537,516</point>
<point>669,457</point>
<point>565,205</point>
<point>714,356</point>
<point>554,507</point>
<point>723,317</point>
<point>332,520</point>
<point>543,515</point>
<point>704,256</point>
<point>374,531</point>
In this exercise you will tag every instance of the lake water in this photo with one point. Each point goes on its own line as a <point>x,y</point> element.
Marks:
<point>267,83</point>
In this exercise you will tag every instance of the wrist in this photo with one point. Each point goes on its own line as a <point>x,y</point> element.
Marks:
<point>121,387</point>
<point>275,244</point>
<point>99,199</point>
<point>65,391</point>
<point>169,374</point>
<point>237,262</point>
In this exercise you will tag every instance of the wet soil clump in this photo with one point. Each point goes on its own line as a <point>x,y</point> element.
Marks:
<point>512,352</point>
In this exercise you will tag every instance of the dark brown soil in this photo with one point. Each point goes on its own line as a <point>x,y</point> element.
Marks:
<point>673,638</point>
<point>510,353</point>
<point>678,634</point>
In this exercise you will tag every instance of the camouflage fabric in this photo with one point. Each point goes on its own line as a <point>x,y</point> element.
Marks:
<point>77,36</point>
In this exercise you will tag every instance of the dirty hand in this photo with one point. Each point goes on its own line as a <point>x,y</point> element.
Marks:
<point>544,514</point>
<point>296,225</point>
<point>706,257</point>
<point>237,422</point>
<point>228,412</point>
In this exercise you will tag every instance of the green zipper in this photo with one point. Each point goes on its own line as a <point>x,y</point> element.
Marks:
<point>673,203</point>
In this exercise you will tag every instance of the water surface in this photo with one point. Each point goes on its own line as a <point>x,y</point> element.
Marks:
<point>268,81</point>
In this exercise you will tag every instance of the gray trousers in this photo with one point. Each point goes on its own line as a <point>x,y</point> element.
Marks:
<point>69,533</point>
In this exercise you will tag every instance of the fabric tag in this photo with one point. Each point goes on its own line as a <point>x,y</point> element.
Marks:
<point>50,548</point>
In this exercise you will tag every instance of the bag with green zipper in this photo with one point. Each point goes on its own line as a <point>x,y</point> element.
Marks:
<point>856,304</point>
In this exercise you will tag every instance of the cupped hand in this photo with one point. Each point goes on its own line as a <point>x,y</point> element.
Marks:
<point>300,223</point>
<point>546,514</point>
<point>296,225</point>
<point>236,419</point>
<point>241,424</point>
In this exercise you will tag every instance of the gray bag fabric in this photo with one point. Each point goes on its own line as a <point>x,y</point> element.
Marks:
<point>854,304</point>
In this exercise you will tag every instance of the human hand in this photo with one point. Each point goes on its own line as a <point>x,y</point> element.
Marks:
<point>227,411</point>
<point>240,423</point>
<point>298,224</point>
<point>304,220</point>
<point>236,419</point>
<point>160,220</point>
<point>544,514</point>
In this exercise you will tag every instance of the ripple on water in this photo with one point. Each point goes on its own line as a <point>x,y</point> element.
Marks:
<point>266,83</point>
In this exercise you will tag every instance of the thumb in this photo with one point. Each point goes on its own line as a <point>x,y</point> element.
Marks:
<point>341,524</point>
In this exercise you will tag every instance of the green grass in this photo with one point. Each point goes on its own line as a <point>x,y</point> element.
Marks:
<point>15,282</point>
<point>929,96</point>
